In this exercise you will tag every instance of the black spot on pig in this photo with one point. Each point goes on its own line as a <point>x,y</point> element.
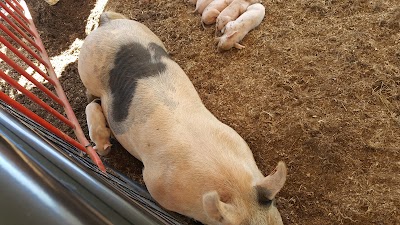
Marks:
<point>132,63</point>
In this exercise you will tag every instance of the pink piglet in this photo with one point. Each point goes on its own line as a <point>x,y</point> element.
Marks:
<point>236,30</point>
<point>233,11</point>
<point>212,11</point>
<point>201,5</point>
<point>98,131</point>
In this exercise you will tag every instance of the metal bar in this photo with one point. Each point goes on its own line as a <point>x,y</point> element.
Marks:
<point>31,79</point>
<point>22,109</point>
<point>25,59</point>
<point>60,92</point>
<point>23,25</point>
<point>16,3</point>
<point>21,32</point>
<point>36,99</point>
<point>103,187</point>
<point>19,12</point>
<point>27,187</point>
<point>22,44</point>
<point>39,120</point>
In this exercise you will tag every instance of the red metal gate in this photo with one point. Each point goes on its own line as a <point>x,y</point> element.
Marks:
<point>17,24</point>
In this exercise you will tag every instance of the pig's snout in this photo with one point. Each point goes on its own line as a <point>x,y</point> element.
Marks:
<point>105,150</point>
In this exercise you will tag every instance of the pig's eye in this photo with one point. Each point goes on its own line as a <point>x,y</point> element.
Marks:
<point>261,197</point>
<point>265,202</point>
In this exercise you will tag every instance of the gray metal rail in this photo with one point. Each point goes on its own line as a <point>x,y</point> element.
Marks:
<point>42,184</point>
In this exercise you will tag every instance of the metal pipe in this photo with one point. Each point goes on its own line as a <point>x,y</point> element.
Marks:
<point>60,92</point>
<point>16,18</point>
<point>40,121</point>
<point>131,210</point>
<point>21,56</point>
<point>19,12</point>
<point>21,32</point>
<point>31,79</point>
<point>36,99</point>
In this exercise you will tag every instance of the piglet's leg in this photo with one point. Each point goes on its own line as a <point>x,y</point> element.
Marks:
<point>238,46</point>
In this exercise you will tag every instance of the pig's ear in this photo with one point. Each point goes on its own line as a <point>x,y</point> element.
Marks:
<point>231,34</point>
<point>226,18</point>
<point>215,209</point>
<point>273,183</point>
<point>215,13</point>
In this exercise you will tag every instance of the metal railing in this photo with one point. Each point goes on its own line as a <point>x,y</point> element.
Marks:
<point>17,25</point>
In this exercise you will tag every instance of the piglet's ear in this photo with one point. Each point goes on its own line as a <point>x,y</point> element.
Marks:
<point>214,13</point>
<point>216,209</point>
<point>230,35</point>
<point>227,18</point>
<point>273,183</point>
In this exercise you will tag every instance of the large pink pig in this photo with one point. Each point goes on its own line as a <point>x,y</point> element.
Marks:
<point>193,163</point>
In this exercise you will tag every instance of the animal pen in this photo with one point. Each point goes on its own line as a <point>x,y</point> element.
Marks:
<point>42,165</point>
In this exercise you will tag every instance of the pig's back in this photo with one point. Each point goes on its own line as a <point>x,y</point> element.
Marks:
<point>141,88</point>
<point>101,47</point>
<point>128,67</point>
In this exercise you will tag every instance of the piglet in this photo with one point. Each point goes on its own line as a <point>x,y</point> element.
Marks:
<point>201,5</point>
<point>233,11</point>
<point>212,11</point>
<point>99,133</point>
<point>52,2</point>
<point>235,31</point>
